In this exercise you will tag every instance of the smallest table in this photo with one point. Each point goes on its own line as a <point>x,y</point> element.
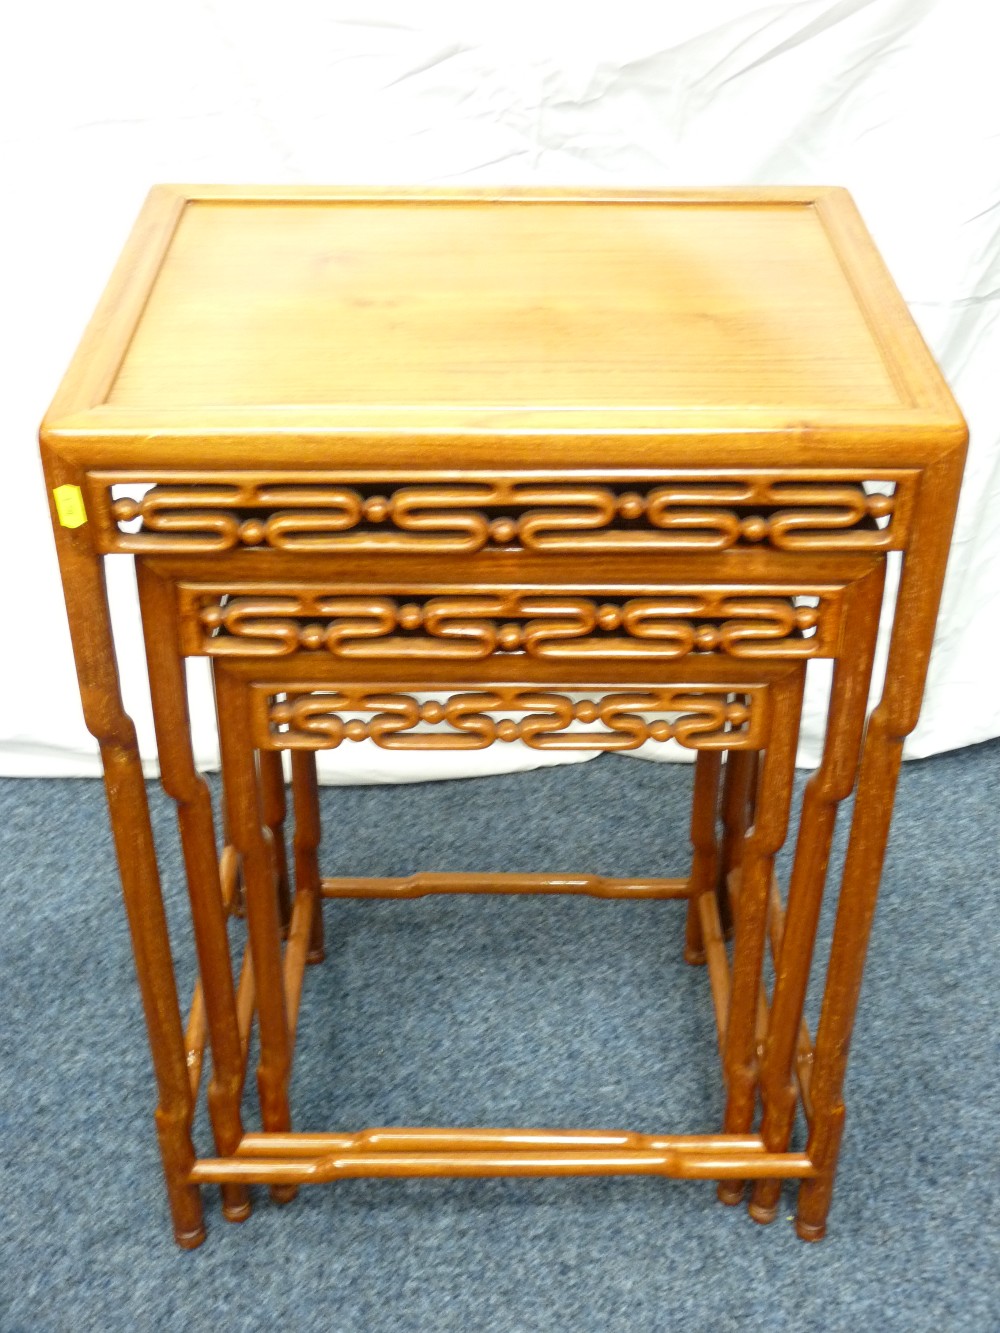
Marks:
<point>446,469</point>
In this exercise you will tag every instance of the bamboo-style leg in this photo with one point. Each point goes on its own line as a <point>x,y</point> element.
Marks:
<point>238,905</point>
<point>263,919</point>
<point>740,779</point>
<point>704,840</point>
<point>752,787</point>
<point>183,783</point>
<point>830,784</point>
<point>762,843</point>
<point>855,912</point>
<point>93,649</point>
<point>274,810</point>
<point>895,717</point>
<point>307,839</point>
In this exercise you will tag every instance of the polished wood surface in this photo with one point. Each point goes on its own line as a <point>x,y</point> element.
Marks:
<point>445,469</point>
<point>635,308</point>
<point>415,328</point>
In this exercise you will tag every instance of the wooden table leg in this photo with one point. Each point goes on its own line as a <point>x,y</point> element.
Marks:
<point>229,853</point>
<point>305,793</point>
<point>274,809</point>
<point>93,649</point>
<point>761,845</point>
<point>182,782</point>
<point>263,917</point>
<point>739,782</point>
<point>895,717</point>
<point>855,912</point>
<point>705,842</point>
<point>830,784</point>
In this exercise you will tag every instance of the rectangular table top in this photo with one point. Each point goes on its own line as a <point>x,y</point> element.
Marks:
<point>622,325</point>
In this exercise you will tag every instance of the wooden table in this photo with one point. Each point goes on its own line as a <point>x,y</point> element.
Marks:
<point>448,469</point>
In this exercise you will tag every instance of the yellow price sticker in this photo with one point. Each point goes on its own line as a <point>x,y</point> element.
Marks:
<point>69,506</point>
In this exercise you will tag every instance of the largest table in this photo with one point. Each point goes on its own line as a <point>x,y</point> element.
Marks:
<point>442,469</point>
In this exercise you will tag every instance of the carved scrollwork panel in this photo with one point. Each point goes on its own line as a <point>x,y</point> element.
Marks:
<point>670,625</point>
<point>794,509</point>
<point>697,717</point>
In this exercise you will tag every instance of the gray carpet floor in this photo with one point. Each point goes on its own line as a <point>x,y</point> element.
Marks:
<point>503,1011</point>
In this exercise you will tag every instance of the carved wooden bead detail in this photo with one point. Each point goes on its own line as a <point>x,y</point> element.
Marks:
<point>667,625</point>
<point>697,717</point>
<point>793,509</point>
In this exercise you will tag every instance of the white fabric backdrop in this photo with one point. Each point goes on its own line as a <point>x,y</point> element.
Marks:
<point>896,99</point>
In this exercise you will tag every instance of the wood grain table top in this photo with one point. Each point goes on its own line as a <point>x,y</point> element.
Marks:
<point>614,326</point>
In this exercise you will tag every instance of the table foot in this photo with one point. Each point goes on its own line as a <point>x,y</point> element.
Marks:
<point>237,1212</point>
<point>730,1192</point>
<point>190,1240</point>
<point>762,1213</point>
<point>283,1194</point>
<point>809,1231</point>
